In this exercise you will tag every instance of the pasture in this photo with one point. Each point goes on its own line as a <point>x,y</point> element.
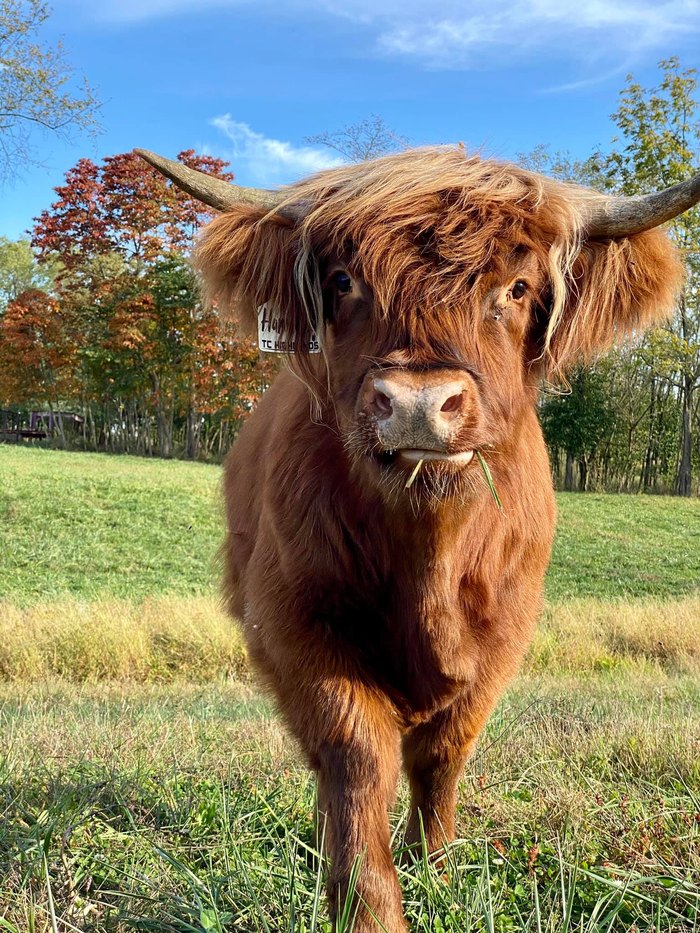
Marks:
<point>146,784</point>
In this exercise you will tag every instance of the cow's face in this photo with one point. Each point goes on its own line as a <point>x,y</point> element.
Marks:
<point>432,384</point>
<point>442,286</point>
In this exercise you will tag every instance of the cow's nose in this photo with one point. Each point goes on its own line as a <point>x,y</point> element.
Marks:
<point>411,413</point>
<point>444,401</point>
<point>379,403</point>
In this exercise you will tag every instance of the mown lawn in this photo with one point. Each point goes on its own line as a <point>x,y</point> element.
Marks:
<point>145,784</point>
<point>89,526</point>
<point>625,546</point>
<point>93,526</point>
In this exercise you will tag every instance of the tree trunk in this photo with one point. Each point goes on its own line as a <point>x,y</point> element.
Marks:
<point>569,473</point>
<point>57,425</point>
<point>223,435</point>
<point>649,454</point>
<point>164,421</point>
<point>192,442</point>
<point>165,433</point>
<point>582,474</point>
<point>92,429</point>
<point>684,483</point>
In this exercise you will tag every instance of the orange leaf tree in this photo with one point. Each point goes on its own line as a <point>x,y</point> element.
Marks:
<point>37,350</point>
<point>152,361</point>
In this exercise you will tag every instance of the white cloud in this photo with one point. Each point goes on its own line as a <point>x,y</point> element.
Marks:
<point>270,161</point>
<point>466,33</point>
<point>578,29</point>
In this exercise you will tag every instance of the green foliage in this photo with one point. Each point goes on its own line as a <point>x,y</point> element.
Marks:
<point>577,419</point>
<point>37,90</point>
<point>20,271</point>
<point>660,131</point>
<point>561,165</point>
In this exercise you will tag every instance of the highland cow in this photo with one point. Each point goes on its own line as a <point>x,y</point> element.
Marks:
<point>385,594</point>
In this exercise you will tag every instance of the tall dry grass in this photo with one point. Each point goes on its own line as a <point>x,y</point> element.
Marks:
<point>595,635</point>
<point>176,639</point>
<point>157,640</point>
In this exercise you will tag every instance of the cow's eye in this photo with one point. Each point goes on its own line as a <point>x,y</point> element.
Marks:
<point>518,290</point>
<point>343,283</point>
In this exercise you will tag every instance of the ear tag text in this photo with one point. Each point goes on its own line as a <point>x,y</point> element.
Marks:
<point>272,337</point>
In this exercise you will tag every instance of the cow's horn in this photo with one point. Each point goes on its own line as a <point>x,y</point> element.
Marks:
<point>617,217</point>
<point>208,189</point>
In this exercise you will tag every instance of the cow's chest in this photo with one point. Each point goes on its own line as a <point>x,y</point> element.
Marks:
<point>434,644</point>
<point>418,639</point>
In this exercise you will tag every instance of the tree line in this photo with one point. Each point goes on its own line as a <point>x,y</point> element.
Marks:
<point>101,315</point>
<point>630,422</point>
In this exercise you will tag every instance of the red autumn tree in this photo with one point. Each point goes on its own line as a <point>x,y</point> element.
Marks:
<point>74,229</point>
<point>126,207</point>
<point>152,359</point>
<point>37,350</point>
<point>191,214</point>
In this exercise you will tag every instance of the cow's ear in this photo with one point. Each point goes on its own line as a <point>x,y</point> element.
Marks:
<point>612,289</point>
<point>249,257</point>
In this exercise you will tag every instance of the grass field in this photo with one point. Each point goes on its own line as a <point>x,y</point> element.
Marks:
<point>146,784</point>
<point>92,526</point>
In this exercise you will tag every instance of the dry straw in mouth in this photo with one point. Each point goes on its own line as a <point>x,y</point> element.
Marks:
<point>411,478</point>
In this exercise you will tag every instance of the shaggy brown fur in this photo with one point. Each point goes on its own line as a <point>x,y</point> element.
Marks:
<point>386,620</point>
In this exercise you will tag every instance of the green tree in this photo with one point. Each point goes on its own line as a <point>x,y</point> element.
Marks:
<point>658,146</point>
<point>560,164</point>
<point>20,271</point>
<point>37,86</point>
<point>575,423</point>
<point>653,382</point>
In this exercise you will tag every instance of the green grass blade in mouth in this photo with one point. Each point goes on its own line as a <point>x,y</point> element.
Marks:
<point>489,480</point>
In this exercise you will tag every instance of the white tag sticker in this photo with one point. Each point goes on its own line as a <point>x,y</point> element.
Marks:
<point>271,335</point>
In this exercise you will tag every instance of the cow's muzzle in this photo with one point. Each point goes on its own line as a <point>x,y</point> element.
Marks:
<point>422,415</point>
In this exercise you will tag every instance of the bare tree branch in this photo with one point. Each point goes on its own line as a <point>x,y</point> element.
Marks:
<point>358,142</point>
<point>36,86</point>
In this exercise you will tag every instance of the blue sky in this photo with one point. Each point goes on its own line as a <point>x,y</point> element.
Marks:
<point>249,79</point>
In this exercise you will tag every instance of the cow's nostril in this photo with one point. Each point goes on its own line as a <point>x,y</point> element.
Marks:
<point>453,403</point>
<point>381,404</point>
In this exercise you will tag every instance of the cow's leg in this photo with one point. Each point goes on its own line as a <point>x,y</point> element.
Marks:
<point>434,756</point>
<point>352,743</point>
